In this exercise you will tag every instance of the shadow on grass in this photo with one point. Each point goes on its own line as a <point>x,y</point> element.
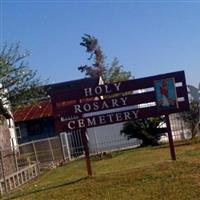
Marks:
<point>47,188</point>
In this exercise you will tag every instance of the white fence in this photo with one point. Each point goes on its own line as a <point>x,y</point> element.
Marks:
<point>18,178</point>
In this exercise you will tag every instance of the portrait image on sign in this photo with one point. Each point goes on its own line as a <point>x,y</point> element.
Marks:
<point>166,96</point>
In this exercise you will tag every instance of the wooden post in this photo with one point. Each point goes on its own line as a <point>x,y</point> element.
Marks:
<point>3,171</point>
<point>14,155</point>
<point>87,153</point>
<point>171,142</point>
<point>36,157</point>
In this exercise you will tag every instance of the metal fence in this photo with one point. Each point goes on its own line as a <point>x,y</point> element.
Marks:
<point>19,164</point>
<point>179,129</point>
<point>12,174</point>
<point>52,151</point>
<point>14,180</point>
<point>73,146</point>
<point>45,152</point>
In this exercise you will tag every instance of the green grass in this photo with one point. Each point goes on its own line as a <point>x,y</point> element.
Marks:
<point>140,174</point>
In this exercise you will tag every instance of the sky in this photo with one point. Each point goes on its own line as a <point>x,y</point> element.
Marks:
<point>148,37</point>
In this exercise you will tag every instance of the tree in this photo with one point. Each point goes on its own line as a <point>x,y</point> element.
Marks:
<point>18,83</point>
<point>92,47</point>
<point>110,73</point>
<point>116,72</point>
<point>191,118</point>
<point>148,130</point>
<point>194,92</point>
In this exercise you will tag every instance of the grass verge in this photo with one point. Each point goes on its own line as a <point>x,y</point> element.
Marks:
<point>140,174</point>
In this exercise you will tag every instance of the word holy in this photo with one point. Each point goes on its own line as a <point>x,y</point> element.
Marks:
<point>102,89</point>
<point>100,105</point>
<point>100,120</point>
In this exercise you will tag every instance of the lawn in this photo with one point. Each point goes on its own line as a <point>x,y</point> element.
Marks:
<point>139,174</point>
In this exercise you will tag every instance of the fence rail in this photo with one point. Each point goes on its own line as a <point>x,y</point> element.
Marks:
<point>18,178</point>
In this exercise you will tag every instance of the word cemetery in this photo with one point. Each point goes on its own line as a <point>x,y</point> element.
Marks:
<point>100,120</point>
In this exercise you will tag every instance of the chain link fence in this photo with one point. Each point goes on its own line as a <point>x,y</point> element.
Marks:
<point>46,152</point>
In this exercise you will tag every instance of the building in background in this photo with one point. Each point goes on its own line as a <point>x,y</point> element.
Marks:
<point>37,121</point>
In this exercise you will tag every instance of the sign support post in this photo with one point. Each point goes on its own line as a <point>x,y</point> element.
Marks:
<point>171,142</point>
<point>87,153</point>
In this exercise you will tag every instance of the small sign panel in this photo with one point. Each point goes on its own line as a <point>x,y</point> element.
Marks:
<point>166,96</point>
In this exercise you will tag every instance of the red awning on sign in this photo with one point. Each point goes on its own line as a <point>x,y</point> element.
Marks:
<point>42,110</point>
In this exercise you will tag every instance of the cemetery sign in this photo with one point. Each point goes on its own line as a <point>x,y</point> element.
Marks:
<point>146,97</point>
